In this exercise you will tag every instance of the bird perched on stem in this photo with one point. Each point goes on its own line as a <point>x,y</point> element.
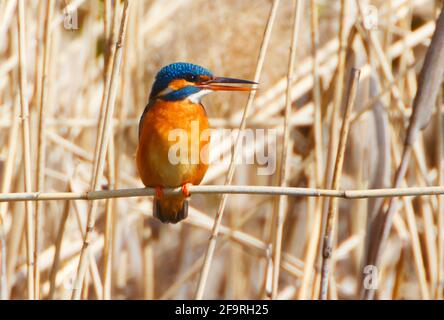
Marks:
<point>174,112</point>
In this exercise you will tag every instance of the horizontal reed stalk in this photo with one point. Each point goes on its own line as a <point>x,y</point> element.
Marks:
<point>225,189</point>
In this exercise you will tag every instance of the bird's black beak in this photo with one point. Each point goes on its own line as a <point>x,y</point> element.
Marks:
<point>219,84</point>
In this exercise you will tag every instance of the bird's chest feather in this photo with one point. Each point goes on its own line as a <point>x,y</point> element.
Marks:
<point>173,148</point>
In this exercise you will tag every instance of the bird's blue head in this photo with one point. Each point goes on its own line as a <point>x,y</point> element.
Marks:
<point>182,80</point>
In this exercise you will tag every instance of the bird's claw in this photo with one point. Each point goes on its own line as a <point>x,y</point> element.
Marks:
<point>185,189</point>
<point>159,192</point>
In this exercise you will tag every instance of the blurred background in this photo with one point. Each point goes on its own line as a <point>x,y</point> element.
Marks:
<point>133,256</point>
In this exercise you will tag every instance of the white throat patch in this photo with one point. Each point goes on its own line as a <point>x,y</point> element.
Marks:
<point>197,97</point>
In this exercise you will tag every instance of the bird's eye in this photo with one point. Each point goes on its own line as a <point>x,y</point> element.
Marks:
<point>191,77</point>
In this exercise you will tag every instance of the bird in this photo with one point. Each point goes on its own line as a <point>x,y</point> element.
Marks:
<point>174,105</point>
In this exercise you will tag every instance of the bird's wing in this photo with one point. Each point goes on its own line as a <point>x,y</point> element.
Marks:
<point>147,108</point>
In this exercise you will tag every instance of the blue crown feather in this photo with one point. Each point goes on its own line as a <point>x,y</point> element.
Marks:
<point>173,71</point>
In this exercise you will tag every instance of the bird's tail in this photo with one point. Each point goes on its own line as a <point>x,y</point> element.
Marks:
<point>171,208</point>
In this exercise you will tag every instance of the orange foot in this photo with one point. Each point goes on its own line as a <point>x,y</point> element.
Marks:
<point>185,189</point>
<point>159,192</point>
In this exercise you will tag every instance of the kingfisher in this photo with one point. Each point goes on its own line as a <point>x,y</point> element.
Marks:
<point>175,106</point>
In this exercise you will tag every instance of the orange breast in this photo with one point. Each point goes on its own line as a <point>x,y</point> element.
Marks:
<point>173,144</point>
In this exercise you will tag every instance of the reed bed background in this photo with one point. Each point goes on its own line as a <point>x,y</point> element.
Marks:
<point>352,88</point>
